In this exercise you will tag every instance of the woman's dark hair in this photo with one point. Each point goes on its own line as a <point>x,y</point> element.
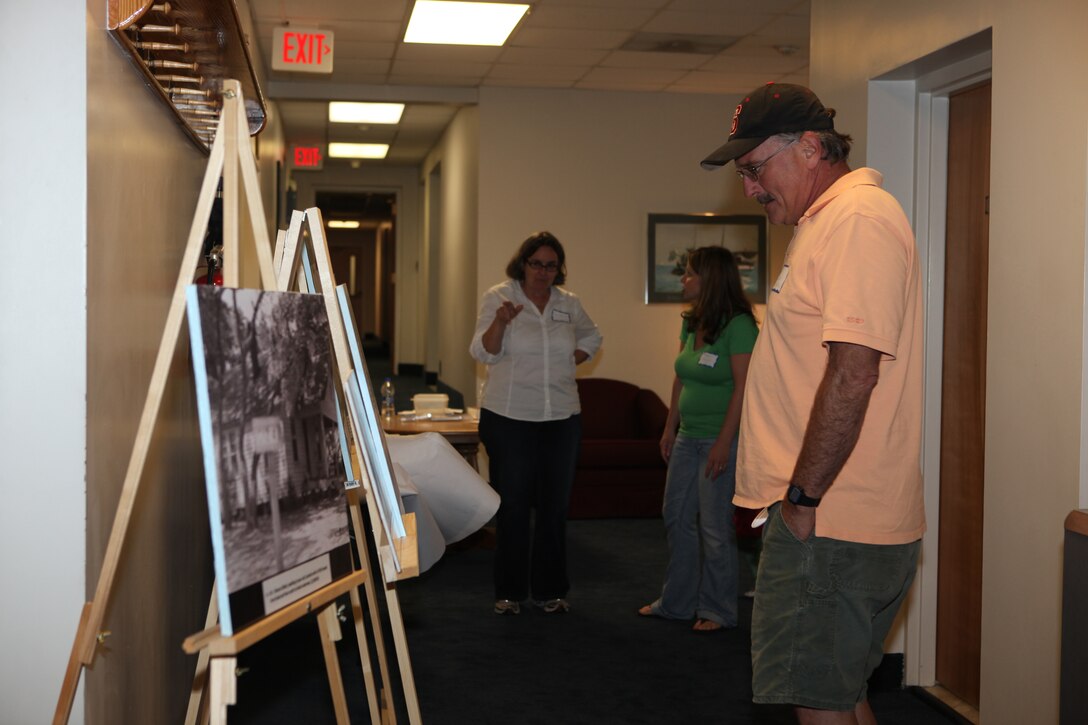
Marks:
<point>516,267</point>
<point>721,295</point>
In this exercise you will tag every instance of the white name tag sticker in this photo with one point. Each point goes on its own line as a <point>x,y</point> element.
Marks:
<point>760,518</point>
<point>560,316</point>
<point>708,359</point>
<point>777,287</point>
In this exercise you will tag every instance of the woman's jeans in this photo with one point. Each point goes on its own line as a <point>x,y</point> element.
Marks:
<point>532,467</point>
<point>701,578</point>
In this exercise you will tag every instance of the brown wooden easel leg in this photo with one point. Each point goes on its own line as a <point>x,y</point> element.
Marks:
<point>330,635</point>
<point>196,713</point>
<point>372,692</point>
<point>400,639</point>
<point>71,674</point>
<point>388,714</point>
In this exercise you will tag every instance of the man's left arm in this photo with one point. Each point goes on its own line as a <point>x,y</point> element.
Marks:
<point>833,427</point>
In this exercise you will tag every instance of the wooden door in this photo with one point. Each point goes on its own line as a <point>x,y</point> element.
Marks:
<point>963,408</point>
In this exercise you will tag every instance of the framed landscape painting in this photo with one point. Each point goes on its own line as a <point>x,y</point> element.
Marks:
<point>670,237</point>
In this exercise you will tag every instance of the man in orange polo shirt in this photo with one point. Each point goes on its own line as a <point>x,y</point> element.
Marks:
<point>831,430</point>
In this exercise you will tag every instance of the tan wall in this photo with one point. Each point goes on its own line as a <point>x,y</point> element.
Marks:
<point>456,273</point>
<point>589,167</point>
<point>1037,232</point>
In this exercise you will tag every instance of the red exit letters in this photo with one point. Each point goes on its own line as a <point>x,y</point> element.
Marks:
<point>306,50</point>
<point>306,157</point>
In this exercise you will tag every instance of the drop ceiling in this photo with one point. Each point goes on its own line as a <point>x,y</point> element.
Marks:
<point>669,46</point>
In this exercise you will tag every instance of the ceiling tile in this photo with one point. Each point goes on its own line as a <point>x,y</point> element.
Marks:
<point>362,49</point>
<point>448,53</point>
<point>636,59</point>
<point>732,6</point>
<point>709,23</point>
<point>557,38</point>
<point>551,73</point>
<point>623,76</point>
<point>552,56</point>
<point>640,4</point>
<point>590,18</point>
<point>464,69</point>
<point>768,63</point>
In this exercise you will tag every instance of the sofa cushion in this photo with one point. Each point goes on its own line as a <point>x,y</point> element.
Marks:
<point>619,454</point>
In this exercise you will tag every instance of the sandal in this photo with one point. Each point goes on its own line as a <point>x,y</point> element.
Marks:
<point>554,606</point>
<point>507,606</point>
<point>706,626</point>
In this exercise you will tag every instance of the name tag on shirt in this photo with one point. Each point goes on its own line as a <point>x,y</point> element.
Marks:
<point>777,287</point>
<point>708,359</point>
<point>560,316</point>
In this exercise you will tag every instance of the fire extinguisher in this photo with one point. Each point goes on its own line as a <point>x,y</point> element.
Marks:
<point>213,243</point>
<point>214,259</point>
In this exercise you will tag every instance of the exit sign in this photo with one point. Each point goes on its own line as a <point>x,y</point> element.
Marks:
<point>306,50</point>
<point>306,157</point>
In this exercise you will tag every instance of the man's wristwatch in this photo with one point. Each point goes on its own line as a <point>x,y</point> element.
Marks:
<point>796,496</point>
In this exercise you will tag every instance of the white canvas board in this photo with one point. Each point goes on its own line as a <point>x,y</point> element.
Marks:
<point>374,445</point>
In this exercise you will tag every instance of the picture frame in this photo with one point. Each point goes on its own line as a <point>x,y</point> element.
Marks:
<point>671,236</point>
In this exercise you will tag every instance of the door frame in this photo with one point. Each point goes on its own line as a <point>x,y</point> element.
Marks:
<point>908,142</point>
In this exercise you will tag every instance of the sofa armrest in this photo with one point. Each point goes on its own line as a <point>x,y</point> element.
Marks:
<point>650,414</point>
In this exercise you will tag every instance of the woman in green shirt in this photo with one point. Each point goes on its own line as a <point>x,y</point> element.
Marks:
<point>700,444</point>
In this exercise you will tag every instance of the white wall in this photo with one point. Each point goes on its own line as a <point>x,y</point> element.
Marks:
<point>589,167</point>
<point>42,354</point>
<point>1037,232</point>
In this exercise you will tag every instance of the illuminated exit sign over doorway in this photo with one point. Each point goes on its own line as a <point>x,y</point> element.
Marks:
<point>306,157</point>
<point>305,50</point>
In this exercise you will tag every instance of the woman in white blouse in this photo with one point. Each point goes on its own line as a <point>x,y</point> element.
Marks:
<point>531,334</point>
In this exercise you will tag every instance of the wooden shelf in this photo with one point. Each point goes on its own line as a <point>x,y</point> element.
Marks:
<point>185,50</point>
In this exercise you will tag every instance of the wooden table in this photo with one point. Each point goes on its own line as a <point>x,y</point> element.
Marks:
<point>464,434</point>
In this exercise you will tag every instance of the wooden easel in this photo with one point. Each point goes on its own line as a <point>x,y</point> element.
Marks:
<point>289,255</point>
<point>231,156</point>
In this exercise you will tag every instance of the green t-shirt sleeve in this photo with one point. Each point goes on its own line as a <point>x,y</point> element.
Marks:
<point>740,335</point>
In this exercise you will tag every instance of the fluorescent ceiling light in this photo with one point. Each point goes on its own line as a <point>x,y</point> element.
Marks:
<point>345,112</point>
<point>358,150</point>
<point>342,224</point>
<point>462,23</point>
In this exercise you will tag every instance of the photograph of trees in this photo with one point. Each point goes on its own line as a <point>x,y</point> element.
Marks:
<point>272,408</point>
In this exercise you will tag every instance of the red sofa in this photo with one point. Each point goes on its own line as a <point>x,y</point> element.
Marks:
<point>620,471</point>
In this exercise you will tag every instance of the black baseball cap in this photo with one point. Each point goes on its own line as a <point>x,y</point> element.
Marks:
<point>767,111</point>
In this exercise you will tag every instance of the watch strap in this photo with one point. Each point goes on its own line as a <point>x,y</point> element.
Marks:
<point>796,495</point>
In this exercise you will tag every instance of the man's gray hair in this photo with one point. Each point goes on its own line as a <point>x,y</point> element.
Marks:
<point>836,145</point>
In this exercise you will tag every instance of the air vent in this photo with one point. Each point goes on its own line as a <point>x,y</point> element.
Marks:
<point>677,43</point>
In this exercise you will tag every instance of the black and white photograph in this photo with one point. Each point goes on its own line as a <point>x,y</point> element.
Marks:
<point>269,429</point>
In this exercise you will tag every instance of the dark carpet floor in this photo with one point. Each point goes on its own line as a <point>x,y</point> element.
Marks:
<point>600,663</point>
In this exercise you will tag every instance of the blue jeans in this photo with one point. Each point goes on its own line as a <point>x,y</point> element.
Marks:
<point>532,468</point>
<point>701,577</point>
